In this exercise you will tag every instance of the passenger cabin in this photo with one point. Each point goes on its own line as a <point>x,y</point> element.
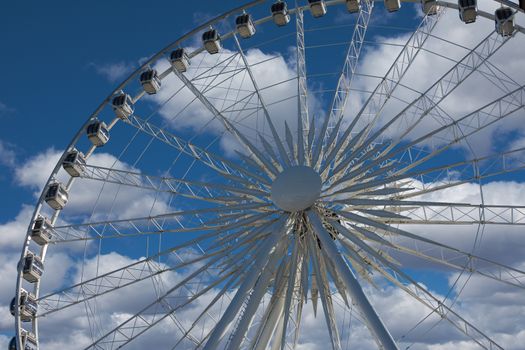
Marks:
<point>353,6</point>
<point>28,306</point>
<point>123,104</point>
<point>212,41</point>
<point>180,60</point>
<point>429,7</point>
<point>280,14</point>
<point>504,21</point>
<point>468,10</point>
<point>28,340</point>
<point>74,163</point>
<point>317,8</point>
<point>392,5</point>
<point>41,233</point>
<point>32,268</point>
<point>150,82</point>
<point>56,196</point>
<point>245,26</point>
<point>98,133</point>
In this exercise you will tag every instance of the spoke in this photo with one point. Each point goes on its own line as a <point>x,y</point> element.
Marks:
<point>438,178</point>
<point>130,274</point>
<point>276,138</point>
<point>375,103</point>
<point>418,292</point>
<point>344,83</point>
<point>359,298</point>
<point>169,222</point>
<point>110,281</point>
<point>447,254</point>
<point>269,323</point>
<point>261,159</point>
<point>303,119</point>
<point>462,260</point>
<point>138,323</point>
<point>324,292</point>
<point>291,286</point>
<point>427,103</point>
<point>260,287</point>
<point>217,297</point>
<point>223,166</point>
<point>425,212</point>
<point>205,191</point>
<point>268,252</point>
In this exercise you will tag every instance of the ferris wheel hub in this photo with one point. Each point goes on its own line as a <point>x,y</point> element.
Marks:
<point>296,188</point>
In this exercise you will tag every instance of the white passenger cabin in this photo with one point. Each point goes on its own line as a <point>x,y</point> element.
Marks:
<point>32,267</point>
<point>280,14</point>
<point>317,8</point>
<point>74,163</point>
<point>56,196</point>
<point>150,82</point>
<point>212,41</point>
<point>28,340</point>
<point>245,26</point>
<point>468,10</point>
<point>28,306</point>
<point>97,132</point>
<point>41,233</point>
<point>429,7</point>
<point>504,21</point>
<point>392,5</point>
<point>353,6</point>
<point>180,60</point>
<point>123,105</point>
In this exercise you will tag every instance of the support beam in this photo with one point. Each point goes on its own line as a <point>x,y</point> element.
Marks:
<point>357,294</point>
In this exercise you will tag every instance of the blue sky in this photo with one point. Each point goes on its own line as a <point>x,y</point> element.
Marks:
<point>61,60</point>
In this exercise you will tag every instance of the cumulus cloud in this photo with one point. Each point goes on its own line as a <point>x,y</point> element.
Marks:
<point>113,72</point>
<point>496,308</point>
<point>5,109</point>
<point>7,154</point>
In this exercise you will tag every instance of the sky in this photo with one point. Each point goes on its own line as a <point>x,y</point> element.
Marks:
<point>62,60</point>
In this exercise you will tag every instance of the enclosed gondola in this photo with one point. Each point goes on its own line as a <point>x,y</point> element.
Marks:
<point>245,26</point>
<point>123,105</point>
<point>28,306</point>
<point>180,60</point>
<point>212,41</point>
<point>74,163</point>
<point>27,339</point>
<point>317,8</point>
<point>280,14</point>
<point>392,5</point>
<point>41,233</point>
<point>429,7</point>
<point>504,20</point>
<point>150,82</point>
<point>56,196</point>
<point>98,133</point>
<point>468,10</point>
<point>32,267</point>
<point>353,6</point>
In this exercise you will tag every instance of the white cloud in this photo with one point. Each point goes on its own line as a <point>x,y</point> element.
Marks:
<point>496,308</point>
<point>5,109</point>
<point>475,92</point>
<point>7,154</point>
<point>113,72</point>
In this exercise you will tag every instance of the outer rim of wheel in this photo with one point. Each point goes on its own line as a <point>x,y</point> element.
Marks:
<point>134,75</point>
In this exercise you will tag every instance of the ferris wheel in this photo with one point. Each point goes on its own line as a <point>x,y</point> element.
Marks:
<point>265,180</point>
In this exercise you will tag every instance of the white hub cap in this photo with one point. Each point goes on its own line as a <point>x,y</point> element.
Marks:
<point>296,188</point>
